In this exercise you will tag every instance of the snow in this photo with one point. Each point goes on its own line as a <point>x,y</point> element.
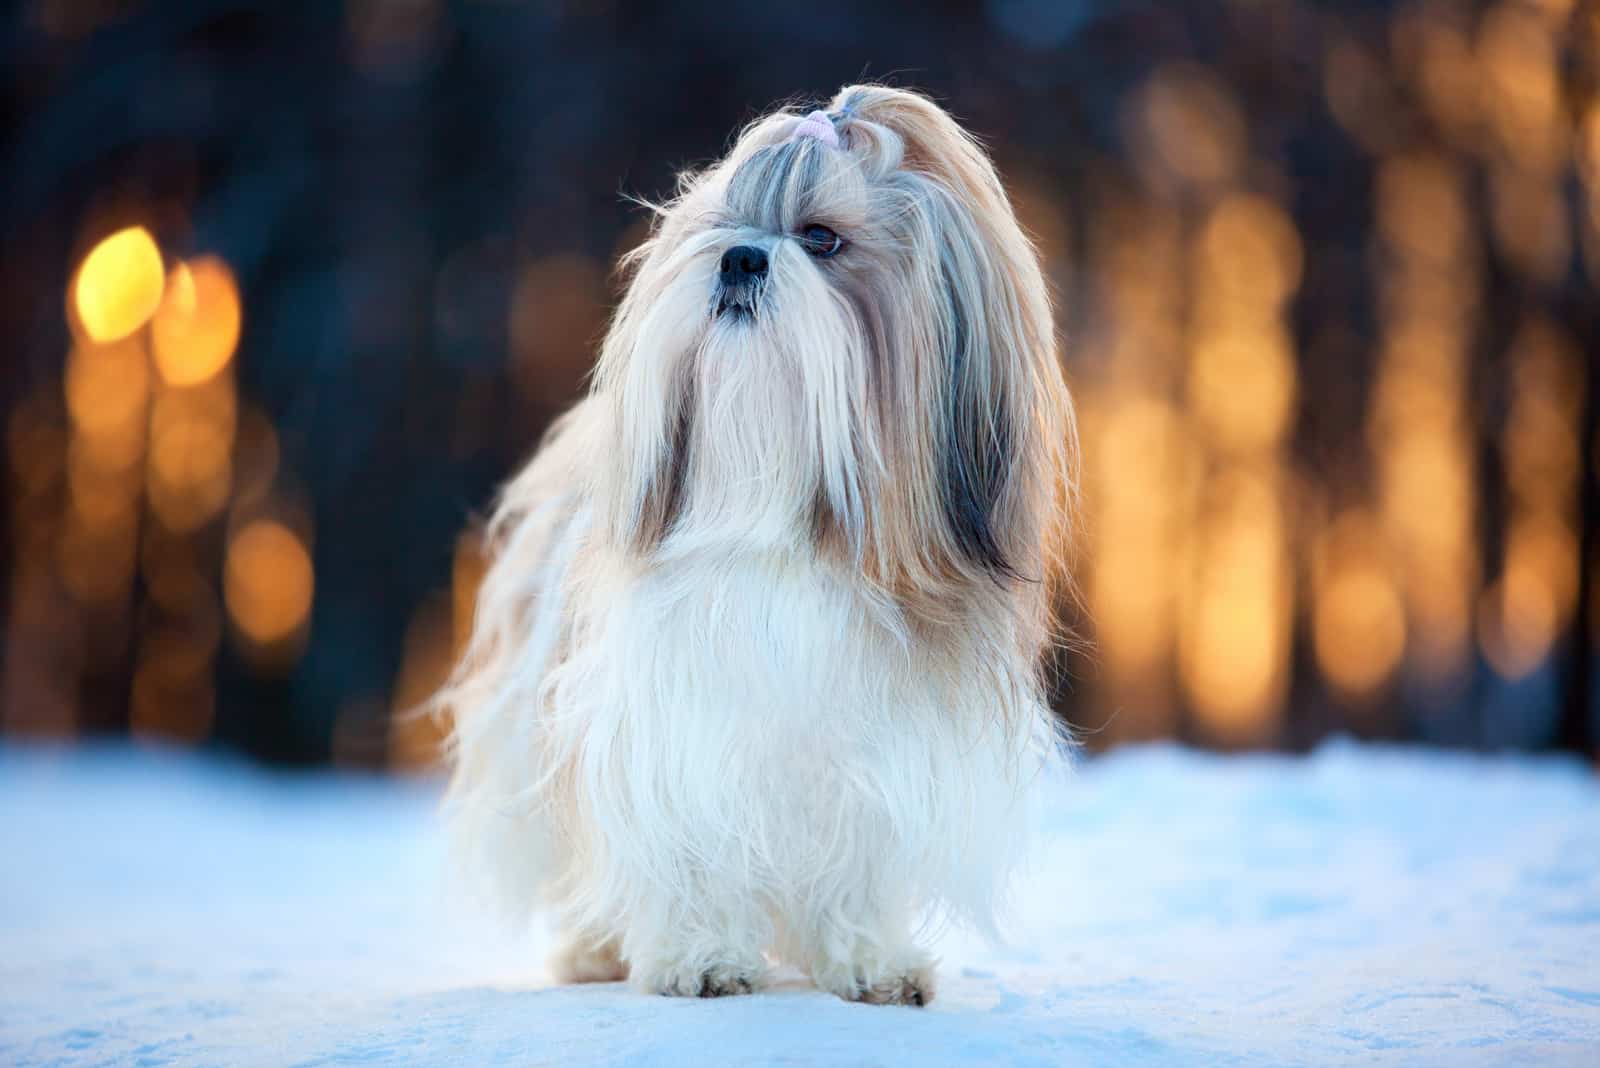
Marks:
<point>1363,905</point>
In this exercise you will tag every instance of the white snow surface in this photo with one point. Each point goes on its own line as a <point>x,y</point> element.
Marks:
<point>1361,905</point>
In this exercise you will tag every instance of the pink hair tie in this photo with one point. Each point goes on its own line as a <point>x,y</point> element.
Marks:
<point>818,125</point>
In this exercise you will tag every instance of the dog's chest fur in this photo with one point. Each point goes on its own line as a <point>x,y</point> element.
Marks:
<point>757,709</point>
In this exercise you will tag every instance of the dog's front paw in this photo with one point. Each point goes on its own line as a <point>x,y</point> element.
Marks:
<point>912,983</point>
<point>697,981</point>
<point>915,988</point>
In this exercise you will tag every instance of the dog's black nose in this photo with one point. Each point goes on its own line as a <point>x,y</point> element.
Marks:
<point>743,263</point>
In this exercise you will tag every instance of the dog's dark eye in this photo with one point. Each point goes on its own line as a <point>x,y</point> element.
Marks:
<point>820,241</point>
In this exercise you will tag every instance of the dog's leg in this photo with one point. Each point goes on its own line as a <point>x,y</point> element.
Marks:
<point>862,952</point>
<point>703,952</point>
<point>581,958</point>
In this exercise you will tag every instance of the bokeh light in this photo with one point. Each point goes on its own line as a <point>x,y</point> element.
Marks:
<point>1192,125</point>
<point>107,387</point>
<point>1359,628</point>
<point>268,582</point>
<point>196,329</point>
<point>1234,635</point>
<point>119,285</point>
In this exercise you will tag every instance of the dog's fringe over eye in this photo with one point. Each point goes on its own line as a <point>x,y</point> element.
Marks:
<point>820,241</point>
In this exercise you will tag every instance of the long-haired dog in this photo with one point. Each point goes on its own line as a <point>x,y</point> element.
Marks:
<point>755,670</point>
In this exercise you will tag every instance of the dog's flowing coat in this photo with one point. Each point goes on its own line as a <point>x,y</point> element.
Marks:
<point>755,670</point>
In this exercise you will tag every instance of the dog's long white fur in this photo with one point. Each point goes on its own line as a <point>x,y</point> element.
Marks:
<point>736,689</point>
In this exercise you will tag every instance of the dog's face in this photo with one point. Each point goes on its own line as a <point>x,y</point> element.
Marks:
<point>840,334</point>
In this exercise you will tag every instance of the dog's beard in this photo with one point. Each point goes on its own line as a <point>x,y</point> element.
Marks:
<point>737,304</point>
<point>762,408</point>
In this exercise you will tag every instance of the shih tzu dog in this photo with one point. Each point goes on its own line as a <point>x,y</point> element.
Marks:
<point>755,673</point>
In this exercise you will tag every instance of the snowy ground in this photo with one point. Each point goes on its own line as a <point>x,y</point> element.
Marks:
<point>1363,905</point>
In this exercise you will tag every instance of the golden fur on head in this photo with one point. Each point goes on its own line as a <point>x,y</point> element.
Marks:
<point>755,667</point>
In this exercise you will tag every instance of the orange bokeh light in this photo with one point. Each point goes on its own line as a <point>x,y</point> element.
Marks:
<point>1193,125</point>
<point>107,387</point>
<point>268,582</point>
<point>196,329</point>
<point>1359,618</point>
<point>1234,638</point>
<point>1249,254</point>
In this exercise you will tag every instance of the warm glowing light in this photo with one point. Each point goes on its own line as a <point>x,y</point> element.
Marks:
<point>1140,253</point>
<point>1428,504</point>
<point>1517,51</point>
<point>118,287</point>
<point>1138,453</point>
<point>1517,622</point>
<point>101,496</point>
<point>1422,208</point>
<point>1522,614</point>
<point>1249,254</point>
<point>189,475</point>
<point>1234,641</point>
<point>1587,151</point>
<point>1242,388</point>
<point>1541,453</point>
<point>190,453</point>
<point>1448,73</point>
<point>1359,621</point>
<point>1360,629</point>
<point>215,402</point>
<point>1419,427</point>
<point>196,328</point>
<point>1141,459</point>
<point>1193,124</point>
<point>107,387</point>
<point>267,582</point>
<point>1427,471</point>
<point>1531,223</point>
<point>1544,545</point>
<point>1139,439</point>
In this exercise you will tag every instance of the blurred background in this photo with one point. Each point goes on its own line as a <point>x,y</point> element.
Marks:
<point>290,286</point>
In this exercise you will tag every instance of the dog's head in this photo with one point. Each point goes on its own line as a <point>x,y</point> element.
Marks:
<point>839,335</point>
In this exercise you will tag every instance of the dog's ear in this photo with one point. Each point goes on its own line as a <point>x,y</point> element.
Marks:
<point>650,494</point>
<point>1004,444</point>
<point>978,421</point>
<point>639,473</point>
